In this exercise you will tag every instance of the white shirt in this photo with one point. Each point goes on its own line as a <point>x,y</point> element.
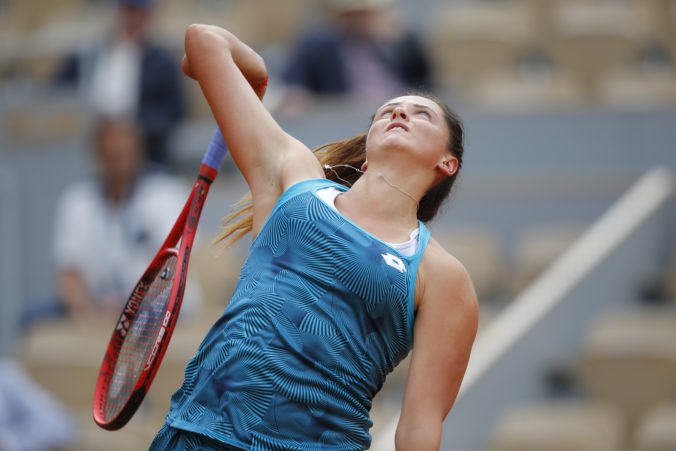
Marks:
<point>111,246</point>
<point>114,90</point>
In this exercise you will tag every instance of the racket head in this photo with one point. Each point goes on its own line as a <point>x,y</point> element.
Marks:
<point>145,326</point>
<point>142,328</point>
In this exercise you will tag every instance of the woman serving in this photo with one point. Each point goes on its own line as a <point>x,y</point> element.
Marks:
<point>342,279</point>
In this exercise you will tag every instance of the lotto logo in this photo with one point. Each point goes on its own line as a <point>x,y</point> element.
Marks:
<point>394,262</point>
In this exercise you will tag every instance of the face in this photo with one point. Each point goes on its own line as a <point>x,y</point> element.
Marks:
<point>415,128</point>
<point>134,21</point>
<point>360,23</point>
<point>119,152</point>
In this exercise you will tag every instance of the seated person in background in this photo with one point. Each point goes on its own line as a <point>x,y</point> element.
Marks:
<point>109,227</point>
<point>30,417</point>
<point>127,74</point>
<point>365,52</point>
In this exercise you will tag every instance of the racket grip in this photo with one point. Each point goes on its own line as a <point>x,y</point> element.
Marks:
<point>216,151</point>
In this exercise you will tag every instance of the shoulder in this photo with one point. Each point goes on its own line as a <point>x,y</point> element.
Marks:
<point>303,187</point>
<point>154,53</point>
<point>319,37</point>
<point>159,180</point>
<point>78,205</point>
<point>446,282</point>
<point>157,186</point>
<point>438,262</point>
<point>84,191</point>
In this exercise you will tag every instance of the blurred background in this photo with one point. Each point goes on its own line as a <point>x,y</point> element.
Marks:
<point>564,215</point>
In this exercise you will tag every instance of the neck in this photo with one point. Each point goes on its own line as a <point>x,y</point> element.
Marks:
<point>117,191</point>
<point>398,188</point>
<point>394,204</point>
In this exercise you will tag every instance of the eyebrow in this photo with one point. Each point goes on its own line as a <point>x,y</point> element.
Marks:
<point>417,105</point>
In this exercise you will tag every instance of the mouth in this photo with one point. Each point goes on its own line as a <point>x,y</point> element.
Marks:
<point>395,125</point>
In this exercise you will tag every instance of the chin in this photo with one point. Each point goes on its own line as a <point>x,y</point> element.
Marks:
<point>397,141</point>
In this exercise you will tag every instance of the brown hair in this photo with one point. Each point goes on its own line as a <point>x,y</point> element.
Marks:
<point>345,157</point>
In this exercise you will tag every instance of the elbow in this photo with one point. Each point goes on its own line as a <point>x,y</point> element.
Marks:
<point>195,33</point>
<point>201,38</point>
<point>194,30</point>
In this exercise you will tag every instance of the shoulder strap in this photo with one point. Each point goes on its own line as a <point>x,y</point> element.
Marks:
<point>309,185</point>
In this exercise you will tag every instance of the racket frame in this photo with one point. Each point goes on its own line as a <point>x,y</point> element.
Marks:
<point>184,229</point>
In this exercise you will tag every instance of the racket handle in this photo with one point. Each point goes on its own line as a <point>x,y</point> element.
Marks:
<point>216,151</point>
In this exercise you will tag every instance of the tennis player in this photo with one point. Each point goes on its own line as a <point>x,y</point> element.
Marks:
<point>341,282</point>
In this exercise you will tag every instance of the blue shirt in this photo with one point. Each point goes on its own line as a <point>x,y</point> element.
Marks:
<point>322,312</point>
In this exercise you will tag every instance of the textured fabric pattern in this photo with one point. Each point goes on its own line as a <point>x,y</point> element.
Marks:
<point>322,312</point>
<point>170,439</point>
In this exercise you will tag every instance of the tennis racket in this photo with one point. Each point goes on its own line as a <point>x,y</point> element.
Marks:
<point>145,326</point>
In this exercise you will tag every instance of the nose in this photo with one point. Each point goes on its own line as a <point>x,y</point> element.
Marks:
<point>399,112</point>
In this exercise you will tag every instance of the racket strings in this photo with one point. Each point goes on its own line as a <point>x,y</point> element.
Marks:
<point>139,341</point>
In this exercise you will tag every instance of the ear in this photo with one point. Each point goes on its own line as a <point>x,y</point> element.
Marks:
<point>448,166</point>
<point>364,165</point>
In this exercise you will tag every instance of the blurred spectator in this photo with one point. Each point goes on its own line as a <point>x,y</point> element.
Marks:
<point>109,227</point>
<point>365,52</point>
<point>128,75</point>
<point>656,60</point>
<point>30,418</point>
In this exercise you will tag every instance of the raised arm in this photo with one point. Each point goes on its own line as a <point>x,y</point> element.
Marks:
<point>445,327</point>
<point>269,158</point>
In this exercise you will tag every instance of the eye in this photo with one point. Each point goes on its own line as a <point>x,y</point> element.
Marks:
<point>424,113</point>
<point>386,112</point>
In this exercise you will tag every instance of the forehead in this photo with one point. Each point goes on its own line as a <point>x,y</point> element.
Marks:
<point>418,100</point>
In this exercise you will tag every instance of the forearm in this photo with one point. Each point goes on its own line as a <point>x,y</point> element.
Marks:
<point>418,437</point>
<point>204,43</point>
<point>226,70</point>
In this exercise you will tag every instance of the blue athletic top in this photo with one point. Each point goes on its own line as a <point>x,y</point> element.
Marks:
<point>322,312</point>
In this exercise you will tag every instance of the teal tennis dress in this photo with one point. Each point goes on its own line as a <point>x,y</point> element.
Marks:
<point>322,312</point>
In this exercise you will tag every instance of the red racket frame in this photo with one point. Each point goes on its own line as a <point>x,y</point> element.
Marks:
<point>184,229</point>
